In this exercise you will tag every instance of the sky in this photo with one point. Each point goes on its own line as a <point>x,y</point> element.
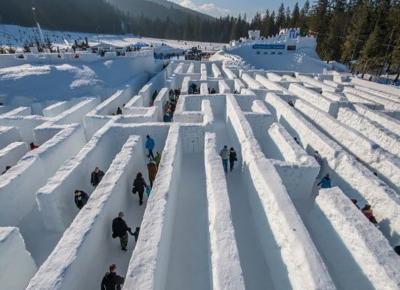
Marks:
<point>234,7</point>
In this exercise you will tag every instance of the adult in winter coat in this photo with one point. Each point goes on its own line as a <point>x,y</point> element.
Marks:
<point>96,177</point>
<point>225,156</point>
<point>232,157</point>
<point>152,169</point>
<point>325,182</point>
<point>81,198</point>
<point>157,159</point>
<point>120,230</point>
<point>367,211</point>
<point>112,281</point>
<point>150,146</point>
<point>139,186</point>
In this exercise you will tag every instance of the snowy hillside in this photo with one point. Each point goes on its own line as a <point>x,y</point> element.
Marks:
<point>305,195</point>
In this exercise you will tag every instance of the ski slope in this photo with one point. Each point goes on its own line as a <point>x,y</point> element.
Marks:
<point>265,225</point>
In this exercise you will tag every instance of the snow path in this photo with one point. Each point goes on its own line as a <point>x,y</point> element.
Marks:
<point>255,268</point>
<point>188,266</point>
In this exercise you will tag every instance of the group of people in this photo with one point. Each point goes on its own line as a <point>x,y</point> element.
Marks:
<point>81,197</point>
<point>228,155</point>
<point>120,230</point>
<point>170,105</point>
<point>194,89</point>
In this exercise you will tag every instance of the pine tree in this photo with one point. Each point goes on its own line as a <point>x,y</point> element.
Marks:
<point>374,51</point>
<point>357,34</point>
<point>295,19</point>
<point>336,31</point>
<point>281,17</point>
<point>319,24</point>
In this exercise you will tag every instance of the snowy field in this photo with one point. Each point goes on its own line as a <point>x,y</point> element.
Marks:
<point>267,224</point>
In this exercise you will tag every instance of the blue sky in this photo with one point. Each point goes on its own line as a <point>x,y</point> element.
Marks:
<point>234,7</point>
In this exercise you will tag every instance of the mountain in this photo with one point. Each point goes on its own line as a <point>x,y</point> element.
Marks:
<point>156,9</point>
<point>101,16</point>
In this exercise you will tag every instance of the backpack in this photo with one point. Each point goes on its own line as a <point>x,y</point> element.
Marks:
<point>107,283</point>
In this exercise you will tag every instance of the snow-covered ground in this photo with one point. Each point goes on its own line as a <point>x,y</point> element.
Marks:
<point>17,36</point>
<point>267,224</point>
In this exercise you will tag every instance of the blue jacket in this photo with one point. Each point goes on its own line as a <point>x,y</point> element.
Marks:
<point>325,183</point>
<point>150,144</point>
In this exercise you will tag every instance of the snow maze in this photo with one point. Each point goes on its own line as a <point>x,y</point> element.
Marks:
<point>265,225</point>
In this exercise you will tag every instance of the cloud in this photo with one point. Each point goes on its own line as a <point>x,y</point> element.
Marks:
<point>207,8</point>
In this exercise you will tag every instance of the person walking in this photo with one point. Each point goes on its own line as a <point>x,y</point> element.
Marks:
<point>325,182</point>
<point>152,169</point>
<point>225,156</point>
<point>112,281</point>
<point>150,144</point>
<point>367,211</point>
<point>120,230</point>
<point>81,198</point>
<point>96,177</point>
<point>157,159</point>
<point>232,158</point>
<point>139,186</point>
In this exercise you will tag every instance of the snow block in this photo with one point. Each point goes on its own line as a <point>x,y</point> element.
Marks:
<point>252,83</point>
<point>383,162</point>
<point>298,170</point>
<point>16,264</point>
<point>24,124</point>
<point>370,129</point>
<point>55,109</point>
<point>318,100</point>
<point>376,86</point>
<point>271,85</point>
<point>216,71</point>
<point>359,255</point>
<point>20,111</point>
<point>55,198</point>
<point>387,103</point>
<point>12,153</point>
<point>354,99</point>
<point>351,176</point>
<point>275,206</point>
<point>8,135</point>
<point>309,80</point>
<point>147,268</point>
<point>384,120</point>
<point>225,262</point>
<point>18,186</point>
<point>90,232</point>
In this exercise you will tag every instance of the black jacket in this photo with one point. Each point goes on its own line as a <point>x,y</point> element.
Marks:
<point>119,227</point>
<point>112,281</point>
<point>232,156</point>
<point>81,200</point>
<point>96,177</point>
<point>139,184</point>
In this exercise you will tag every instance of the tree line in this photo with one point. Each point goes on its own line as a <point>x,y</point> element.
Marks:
<point>362,33</point>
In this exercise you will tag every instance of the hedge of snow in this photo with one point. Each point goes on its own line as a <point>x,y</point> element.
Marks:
<point>360,256</point>
<point>307,271</point>
<point>12,153</point>
<point>88,238</point>
<point>383,162</point>
<point>384,120</point>
<point>18,186</point>
<point>16,264</point>
<point>225,263</point>
<point>8,135</point>
<point>371,129</point>
<point>351,176</point>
